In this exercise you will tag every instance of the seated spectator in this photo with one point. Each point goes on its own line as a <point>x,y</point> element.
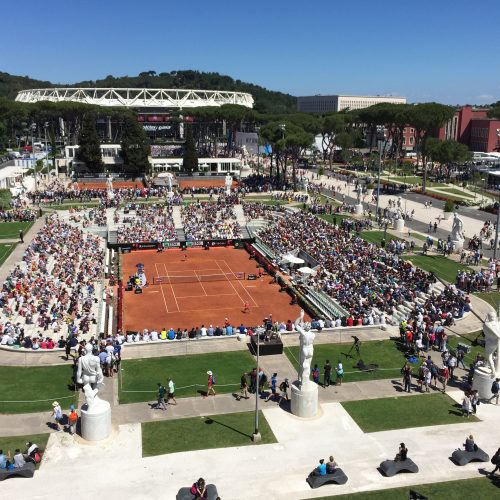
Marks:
<point>331,466</point>
<point>402,454</point>
<point>470,445</point>
<point>320,469</point>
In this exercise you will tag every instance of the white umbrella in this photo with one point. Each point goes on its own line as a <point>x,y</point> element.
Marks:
<point>305,270</point>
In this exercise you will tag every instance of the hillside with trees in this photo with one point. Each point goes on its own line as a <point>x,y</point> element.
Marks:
<point>266,101</point>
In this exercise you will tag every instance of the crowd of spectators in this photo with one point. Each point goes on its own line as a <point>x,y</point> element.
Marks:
<point>54,287</point>
<point>18,215</point>
<point>204,220</point>
<point>254,210</point>
<point>480,281</point>
<point>364,279</point>
<point>150,223</point>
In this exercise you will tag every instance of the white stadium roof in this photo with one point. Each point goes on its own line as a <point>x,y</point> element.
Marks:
<point>138,98</point>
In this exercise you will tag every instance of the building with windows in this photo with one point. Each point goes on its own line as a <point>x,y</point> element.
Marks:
<point>328,103</point>
<point>472,127</point>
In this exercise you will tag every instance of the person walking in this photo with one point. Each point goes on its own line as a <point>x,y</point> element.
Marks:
<point>495,387</point>
<point>340,373</point>
<point>57,414</point>
<point>284,386</point>
<point>327,373</point>
<point>210,384</point>
<point>21,236</point>
<point>315,374</point>
<point>72,419</point>
<point>171,391</point>
<point>243,387</point>
<point>161,397</point>
<point>495,460</point>
<point>406,372</point>
<point>253,381</point>
<point>274,382</point>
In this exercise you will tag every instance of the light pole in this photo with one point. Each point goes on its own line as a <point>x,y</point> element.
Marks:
<point>380,146</point>
<point>45,125</point>
<point>257,129</point>
<point>33,130</point>
<point>256,437</point>
<point>498,216</point>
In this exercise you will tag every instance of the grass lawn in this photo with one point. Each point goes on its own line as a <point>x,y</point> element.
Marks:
<point>444,194</point>
<point>384,353</point>
<point>202,433</point>
<point>444,268</point>
<point>329,218</point>
<point>31,385</point>
<point>457,191</point>
<point>11,230</point>
<point>377,237</point>
<point>468,339</point>
<point>405,412</point>
<point>493,298</point>
<point>13,443</point>
<point>5,250</point>
<point>457,490</point>
<point>188,372</point>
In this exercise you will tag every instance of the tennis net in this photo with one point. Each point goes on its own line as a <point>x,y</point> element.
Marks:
<point>172,280</point>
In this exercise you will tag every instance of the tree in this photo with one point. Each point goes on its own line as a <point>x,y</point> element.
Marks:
<point>446,152</point>
<point>190,158</point>
<point>89,150</point>
<point>135,145</point>
<point>427,118</point>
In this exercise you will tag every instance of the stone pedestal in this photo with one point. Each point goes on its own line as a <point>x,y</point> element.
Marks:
<point>358,209</point>
<point>96,422</point>
<point>399,225</point>
<point>304,399</point>
<point>483,378</point>
<point>457,245</point>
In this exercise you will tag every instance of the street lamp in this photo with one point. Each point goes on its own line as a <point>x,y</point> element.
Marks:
<point>33,130</point>
<point>380,147</point>
<point>256,437</point>
<point>45,125</point>
<point>257,130</point>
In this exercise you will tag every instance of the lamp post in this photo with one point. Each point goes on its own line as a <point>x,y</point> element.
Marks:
<point>257,129</point>
<point>33,130</point>
<point>45,125</point>
<point>380,146</point>
<point>495,249</point>
<point>256,437</point>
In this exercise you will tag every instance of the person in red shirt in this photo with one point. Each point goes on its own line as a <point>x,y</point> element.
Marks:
<point>349,321</point>
<point>445,375</point>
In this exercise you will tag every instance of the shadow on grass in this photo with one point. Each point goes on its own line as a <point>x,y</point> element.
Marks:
<point>210,421</point>
<point>398,386</point>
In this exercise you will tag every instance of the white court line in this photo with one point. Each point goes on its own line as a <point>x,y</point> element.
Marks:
<point>172,288</point>
<point>231,283</point>
<point>202,287</point>
<point>208,295</point>
<point>161,286</point>
<point>241,284</point>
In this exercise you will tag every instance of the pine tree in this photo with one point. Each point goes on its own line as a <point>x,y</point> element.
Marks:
<point>190,158</point>
<point>89,150</point>
<point>135,145</point>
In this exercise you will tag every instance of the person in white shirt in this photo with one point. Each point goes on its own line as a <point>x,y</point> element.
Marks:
<point>203,331</point>
<point>130,337</point>
<point>154,334</point>
<point>19,460</point>
<point>145,337</point>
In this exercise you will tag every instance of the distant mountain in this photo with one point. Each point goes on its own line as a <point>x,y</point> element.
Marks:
<point>266,101</point>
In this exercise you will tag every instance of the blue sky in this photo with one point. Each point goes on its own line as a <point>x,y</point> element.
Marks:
<point>440,50</point>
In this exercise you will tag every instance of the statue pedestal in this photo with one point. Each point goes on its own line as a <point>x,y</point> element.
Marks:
<point>483,378</point>
<point>457,245</point>
<point>358,209</point>
<point>96,422</point>
<point>399,225</point>
<point>304,399</point>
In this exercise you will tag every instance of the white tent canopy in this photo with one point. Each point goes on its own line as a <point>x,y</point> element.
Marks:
<point>292,259</point>
<point>305,270</point>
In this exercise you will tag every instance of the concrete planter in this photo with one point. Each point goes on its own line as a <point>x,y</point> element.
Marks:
<point>447,215</point>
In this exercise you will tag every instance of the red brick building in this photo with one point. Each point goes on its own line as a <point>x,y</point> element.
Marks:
<point>472,127</point>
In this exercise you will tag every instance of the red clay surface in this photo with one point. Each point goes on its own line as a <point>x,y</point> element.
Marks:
<point>116,185</point>
<point>198,183</point>
<point>186,305</point>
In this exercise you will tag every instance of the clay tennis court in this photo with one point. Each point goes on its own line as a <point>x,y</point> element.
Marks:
<point>186,305</point>
<point>116,185</point>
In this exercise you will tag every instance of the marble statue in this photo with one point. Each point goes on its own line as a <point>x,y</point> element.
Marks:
<point>91,397</point>
<point>109,188</point>
<point>491,330</point>
<point>229,182</point>
<point>306,185</point>
<point>306,348</point>
<point>358,193</point>
<point>89,369</point>
<point>457,230</point>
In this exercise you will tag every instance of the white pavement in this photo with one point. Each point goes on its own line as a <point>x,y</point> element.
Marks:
<point>280,469</point>
<point>471,226</point>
